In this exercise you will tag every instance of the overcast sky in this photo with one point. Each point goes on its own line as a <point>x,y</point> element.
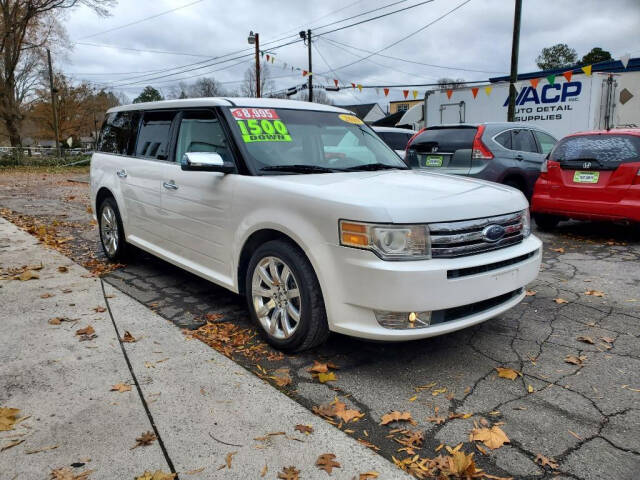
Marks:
<point>473,41</point>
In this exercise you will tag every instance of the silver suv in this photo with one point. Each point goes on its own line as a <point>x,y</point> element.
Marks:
<point>504,152</point>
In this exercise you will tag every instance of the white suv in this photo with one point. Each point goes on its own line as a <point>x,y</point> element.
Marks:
<point>304,210</point>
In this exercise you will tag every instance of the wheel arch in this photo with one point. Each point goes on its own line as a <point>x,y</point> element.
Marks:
<point>102,194</point>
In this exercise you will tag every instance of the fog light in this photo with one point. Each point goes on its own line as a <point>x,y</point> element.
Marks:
<point>403,320</point>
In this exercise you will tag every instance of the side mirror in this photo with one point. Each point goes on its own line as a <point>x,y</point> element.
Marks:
<point>206,162</point>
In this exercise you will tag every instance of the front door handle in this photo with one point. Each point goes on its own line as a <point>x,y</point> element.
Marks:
<point>122,173</point>
<point>170,185</point>
<point>519,157</point>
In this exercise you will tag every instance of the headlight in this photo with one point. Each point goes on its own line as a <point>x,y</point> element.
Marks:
<point>526,223</point>
<point>389,242</point>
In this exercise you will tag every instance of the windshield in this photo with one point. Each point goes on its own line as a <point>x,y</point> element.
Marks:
<point>304,141</point>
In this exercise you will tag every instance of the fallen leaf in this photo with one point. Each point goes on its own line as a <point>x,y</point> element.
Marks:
<point>120,387</point>
<point>461,464</point>
<point>545,461</point>
<point>149,365</point>
<point>530,389</point>
<point>575,435</point>
<point>414,398</point>
<point>127,337</point>
<point>560,300</point>
<point>194,471</point>
<point>558,250</point>
<point>229,458</point>
<point>326,377</point>
<point>438,391</point>
<point>319,367</point>
<point>396,416</point>
<point>437,420</point>
<point>282,377</point>
<point>145,439</point>
<point>306,429</point>
<point>157,475</point>
<point>55,321</point>
<point>264,470</point>
<point>11,445</point>
<point>585,339</point>
<point>508,373</point>
<point>594,293</point>
<point>368,475</point>
<point>289,473</point>
<point>88,330</point>
<point>47,295</point>
<point>492,437</point>
<point>575,360</point>
<point>39,450</point>
<point>65,473</point>
<point>99,309</point>
<point>63,269</point>
<point>327,462</point>
<point>8,417</point>
<point>607,339</point>
<point>28,275</point>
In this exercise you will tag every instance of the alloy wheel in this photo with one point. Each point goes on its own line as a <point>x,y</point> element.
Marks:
<point>109,230</point>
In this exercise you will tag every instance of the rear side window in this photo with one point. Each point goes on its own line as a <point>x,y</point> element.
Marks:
<point>504,139</point>
<point>604,148</point>
<point>153,139</point>
<point>546,142</point>
<point>118,134</point>
<point>395,140</point>
<point>522,141</point>
<point>446,140</point>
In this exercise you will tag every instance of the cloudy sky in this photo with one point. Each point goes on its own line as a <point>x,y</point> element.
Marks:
<point>472,43</point>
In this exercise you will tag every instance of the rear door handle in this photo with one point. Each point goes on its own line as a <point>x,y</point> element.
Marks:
<point>170,185</point>
<point>122,173</point>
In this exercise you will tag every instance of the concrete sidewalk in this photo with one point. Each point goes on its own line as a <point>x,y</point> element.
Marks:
<point>206,410</point>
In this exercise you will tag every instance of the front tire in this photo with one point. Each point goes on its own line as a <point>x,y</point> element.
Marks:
<point>284,297</point>
<point>112,237</point>
<point>546,222</point>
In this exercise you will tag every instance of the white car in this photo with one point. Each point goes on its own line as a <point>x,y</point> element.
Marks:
<point>256,196</point>
<point>396,138</point>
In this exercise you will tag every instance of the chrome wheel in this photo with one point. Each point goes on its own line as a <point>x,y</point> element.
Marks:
<point>276,297</point>
<point>109,230</point>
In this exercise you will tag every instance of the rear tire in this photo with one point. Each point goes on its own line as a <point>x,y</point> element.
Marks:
<point>111,231</point>
<point>284,297</point>
<point>546,222</point>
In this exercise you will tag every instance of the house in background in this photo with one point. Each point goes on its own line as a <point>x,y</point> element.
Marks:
<point>367,112</point>
<point>403,105</point>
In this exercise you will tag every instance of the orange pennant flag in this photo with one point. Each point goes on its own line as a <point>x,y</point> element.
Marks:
<point>474,90</point>
<point>335,81</point>
<point>568,75</point>
<point>487,90</point>
<point>360,87</point>
<point>587,70</point>
<point>405,93</point>
<point>415,94</point>
<point>386,91</point>
<point>304,73</point>
<point>534,82</point>
<point>449,93</point>
<point>268,57</point>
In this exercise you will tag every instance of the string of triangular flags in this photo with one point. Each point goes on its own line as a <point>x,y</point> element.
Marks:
<point>587,70</point>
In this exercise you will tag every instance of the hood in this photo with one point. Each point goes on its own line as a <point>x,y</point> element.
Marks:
<point>407,196</point>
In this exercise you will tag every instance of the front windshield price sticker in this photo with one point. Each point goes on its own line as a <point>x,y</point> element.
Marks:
<point>350,119</point>
<point>260,125</point>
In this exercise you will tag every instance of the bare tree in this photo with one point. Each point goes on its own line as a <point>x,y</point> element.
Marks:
<point>206,87</point>
<point>319,96</point>
<point>27,25</point>
<point>451,83</point>
<point>248,88</point>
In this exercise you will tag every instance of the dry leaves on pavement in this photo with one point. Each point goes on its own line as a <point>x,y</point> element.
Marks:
<point>157,475</point>
<point>575,360</point>
<point>8,418</point>
<point>58,320</point>
<point>65,473</point>
<point>28,275</point>
<point>327,462</point>
<point>128,338</point>
<point>144,440</point>
<point>62,269</point>
<point>12,444</point>
<point>120,387</point>
<point>88,330</point>
<point>492,437</point>
<point>306,429</point>
<point>557,250</point>
<point>594,293</point>
<point>508,373</point>
<point>322,367</point>
<point>368,475</point>
<point>396,416</point>
<point>229,458</point>
<point>546,461</point>
<point>289,473</point>
<point>326,377</point>
<point>530,293</point>
<point>282,377</point>
<point>584,339</point>
<point>560,300</point>
<point>99,309</point>
<point>337,409</point>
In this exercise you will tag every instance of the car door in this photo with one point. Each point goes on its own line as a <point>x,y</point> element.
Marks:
<point>143,179</point>
<point>196,205</point>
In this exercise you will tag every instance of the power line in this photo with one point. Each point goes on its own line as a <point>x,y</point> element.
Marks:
<point>361,14</point>
<point>331,69</point>
<point>140,21</point>
<point>106,45</point>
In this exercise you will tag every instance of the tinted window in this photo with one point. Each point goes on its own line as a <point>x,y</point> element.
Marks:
<point>445,139</point>
<point>604,148</point>
<point>200,131</point>
<point>118,134</point>
<point>153,138</point>
<point>504,139</point>
<point>546,141</point>
<point>396,140</point>
<point>522,141</point>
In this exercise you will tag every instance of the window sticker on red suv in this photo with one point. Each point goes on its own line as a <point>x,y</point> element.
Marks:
<point>260,125</point>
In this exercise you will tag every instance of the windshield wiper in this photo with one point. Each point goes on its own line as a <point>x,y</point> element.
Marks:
<point>298,168</point>
<point>376,166</point>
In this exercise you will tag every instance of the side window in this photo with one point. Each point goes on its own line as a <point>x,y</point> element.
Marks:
<point>522,141</point>
<point>504,139</point>
<point>546,141</point>
<point>118,134</point>
<point>153,138</point>
<point>200,131</point>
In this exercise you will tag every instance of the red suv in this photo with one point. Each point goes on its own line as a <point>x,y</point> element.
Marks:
<point>590,176</point>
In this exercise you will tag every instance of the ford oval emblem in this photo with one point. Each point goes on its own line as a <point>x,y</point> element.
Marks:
<point>493,233</point>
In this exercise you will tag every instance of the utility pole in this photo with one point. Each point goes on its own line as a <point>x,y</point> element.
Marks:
<point>254,39</point>
<point>53,103</point>
<point>306,36</point>
<point>515,46</point>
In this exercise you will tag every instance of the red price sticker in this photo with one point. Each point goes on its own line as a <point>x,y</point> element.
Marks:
<point>254,113</point>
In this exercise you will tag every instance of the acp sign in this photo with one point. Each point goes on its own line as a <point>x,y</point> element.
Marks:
<point>549,94</point>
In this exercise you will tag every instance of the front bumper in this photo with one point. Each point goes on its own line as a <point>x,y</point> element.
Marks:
<point>360,283</point>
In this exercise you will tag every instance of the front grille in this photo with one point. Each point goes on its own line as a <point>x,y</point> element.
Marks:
<point>457,239</point>
<point>456,313</point>
<point>464,272</point>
